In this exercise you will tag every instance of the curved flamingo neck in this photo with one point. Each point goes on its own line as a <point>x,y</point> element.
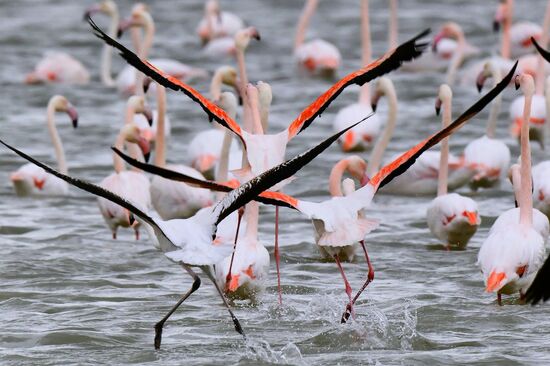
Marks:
<point>335,179</point>
<point>56,140</point>
<point>526,201</point>
<point>393,33</point>
<point>495,107</point>
<point>458,57</point>
<point>303,23</point>
<point>382,143</point>
<point>539,78</point>
<point>444,156</point>
<point>160,139</point>
<point>364,95</point>
<point>106,57</point>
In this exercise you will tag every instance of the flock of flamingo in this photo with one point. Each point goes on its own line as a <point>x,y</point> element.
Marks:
<point>205,214</point>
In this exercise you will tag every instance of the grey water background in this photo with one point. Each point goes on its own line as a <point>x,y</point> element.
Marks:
<point>69,294</point>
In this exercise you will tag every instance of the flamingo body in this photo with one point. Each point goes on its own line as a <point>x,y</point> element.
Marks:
<point>489,158</point>
<point>520,37</point>
<point>59,67</point>
<point>318,56</point>
<point>226,24</point>
<point>204,150</point>
<point>31,180</point>
<point>362,136</point>
<point>538,117</point>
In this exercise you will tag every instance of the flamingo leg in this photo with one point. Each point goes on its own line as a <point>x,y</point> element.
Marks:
<point>240,215</point>
<point>276,252</point>
<point>370,278</point>
<point>236,322</point>
<point>499,299</point>
<point>137,233</point>
<point>196,284</point>
<point>346,282</point>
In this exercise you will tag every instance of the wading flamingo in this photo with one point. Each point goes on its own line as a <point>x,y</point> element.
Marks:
<point>58,67</point>
<point>31,180</point>
<point>514,251</point>
<point>217,24</point>
<point>452,218</point>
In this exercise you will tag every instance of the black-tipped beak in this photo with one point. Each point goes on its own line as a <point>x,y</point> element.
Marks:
<point>146,157</point>
<point>91,11</point>
<point>149,116</point>
<point>496,26</point>
<point>374,101</point>
<point>373,106</point>
<point>437,106</point>
<point>123,26</point>
<point>438,37</point>
<point>480,81</point>
<point>146,83</point>
<point>131,219</point>
<point>516,82</point>
<point>255,34</point>
<point>73,115</point>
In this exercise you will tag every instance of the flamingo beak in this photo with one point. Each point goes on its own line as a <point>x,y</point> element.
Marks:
<point>73,115</point>
<point>131,218</point>
<point>91,11</point>
<point>365,180</point>
<point>437,106</point>
<point>516,82</point>
<point>123,25</point>
<point>254,33</point>
<point>480,81</point>
<point>494,282</point>
<point>148,115</point>
<point>146,84</point>
<point>438,37</point>
<point>145,147</point>
<point>472,217</point>
<point>499,17</point>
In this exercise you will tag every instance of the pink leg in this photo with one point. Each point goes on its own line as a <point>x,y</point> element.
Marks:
<point>499,298</point>
<point>114,235</point>
<point>370,278</point>
<point>137,234</point>
<point>240,215</point>
<point>276,252</point>
<point>348,287</point>
<point>521,297</point>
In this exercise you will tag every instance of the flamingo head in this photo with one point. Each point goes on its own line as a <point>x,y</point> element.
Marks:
<point>228,102</point>
<point>526,82</point>
<point>243,37</point>
<point>445,93</point>
<point>137,104</point>
<point>132,133</point>
<point>383,85</point>
<point>265,94</point>
<point>449,30</point>
<point>60,104</point>
<point>357,167</point>
<point>140,17</point>
<point>107,7</point>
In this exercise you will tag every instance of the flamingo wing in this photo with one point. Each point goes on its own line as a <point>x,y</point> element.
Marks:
<point>92,188</point>
<point>247,191</point>
<point>385,64</point>
<point>544,53</point>
<point>404,161</point>
<point>212,110</point>
<point>539,289</point>
<point>267,197</point>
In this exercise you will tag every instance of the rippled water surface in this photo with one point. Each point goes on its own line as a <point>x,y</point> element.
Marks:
<point>71,295</point>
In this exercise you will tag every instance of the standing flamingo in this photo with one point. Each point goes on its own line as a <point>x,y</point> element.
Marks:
<point>317,56</point>
<point>31,180</point>
<point>217,24</point>
<point>514,251</point>
<point>452,218</point>
<point>488,156</point>
<point>365,135</point>
<point>188,242</point>
<point>130,184</point>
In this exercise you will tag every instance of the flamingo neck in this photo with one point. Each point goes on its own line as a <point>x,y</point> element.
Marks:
<point>160,139</point>
<point>444,156</point>
<point>495,107</point>
<point>364,95</point>
<point>335,179</point>
<point>506,37</point>
<point>133,149</point>
<point>106,58</point>
<point>252,215</point>
<point>118,163</point>
<point>223,166</point>
<point>303,23</point>
<point>216,86</point>
<point>243,82</point>
<point>56,140</point>
<point>144,48</point>
<point>252,95</point>
<point>458,57</point>
<point>539,78</point>
<point>382,143</point>
<point>526,201</point>
<point>393,26</point>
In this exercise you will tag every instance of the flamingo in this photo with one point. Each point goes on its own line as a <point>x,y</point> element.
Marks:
<point>339,215</point>
<point>174,199</point>
<point>217,24</point>
<point>188,242</point>
<point>30,180</point>
<point>452,218</point>
<point>109,8</point>
<point>366,134</point>
<point>317,56</point>
<point>203,152</point>
<point>488,156</point>
<point>514,250</point>
<point>58,67</point>
<point>130,184</point>
<point>538,109</point>
<point>126,80</point>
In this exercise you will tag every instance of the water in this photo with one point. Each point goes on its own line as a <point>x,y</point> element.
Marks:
<point>71,295</point>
